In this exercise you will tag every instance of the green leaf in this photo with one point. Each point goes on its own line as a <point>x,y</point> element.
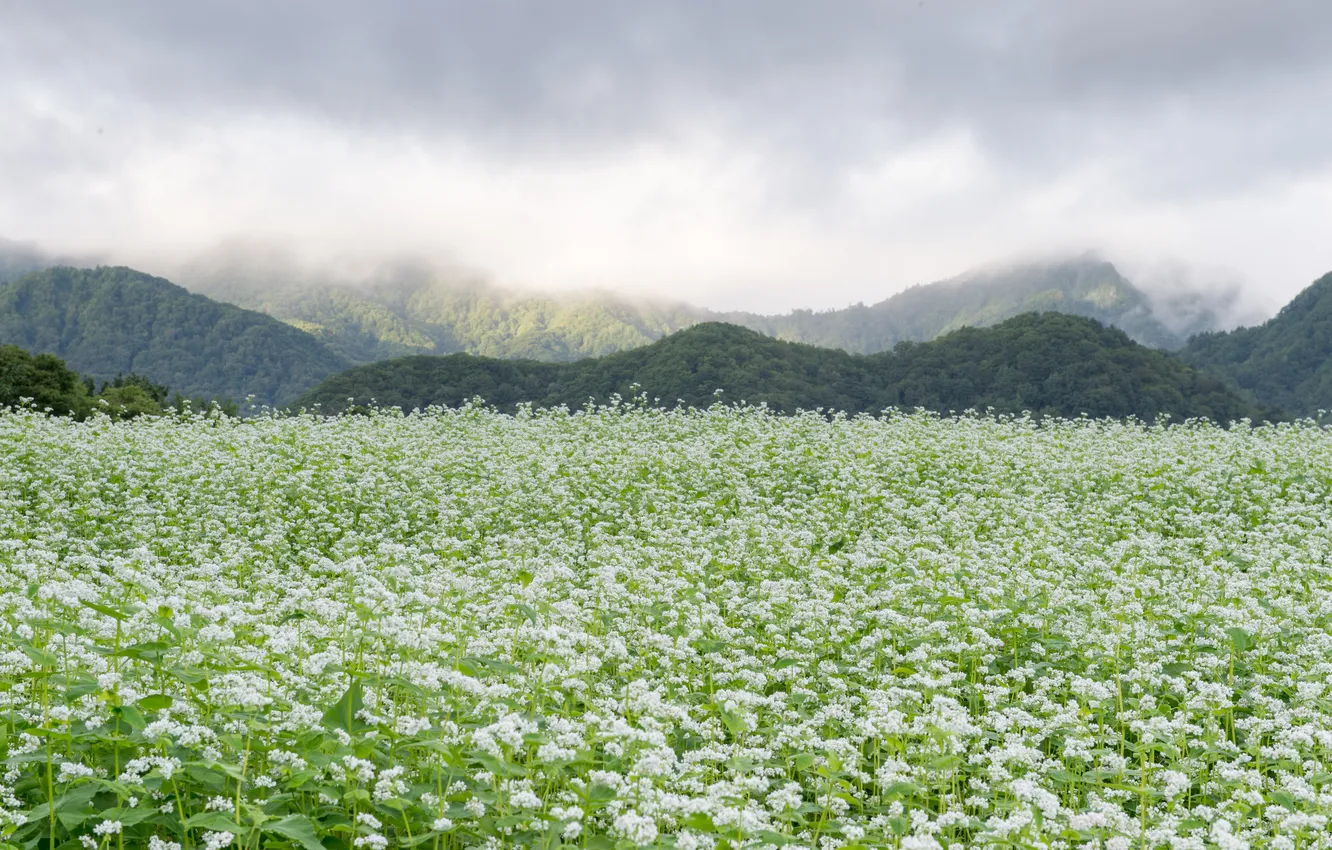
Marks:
<point>130,716</point>
<point>741,764</point>
<point>298,828</point>
<point>129,817</point>
<point>342,714</point>
<point>946,762</point>
<point>155,702</point>
<point>40,657</point>
<point>901,789</point>
<point>216,821</point>
<point>71,808</point>
<point>1240,639</point>
<point>150,651</point>
<point>82,689</point>
<point>76,797</point>
<point>734,723</point>
<point>107,610</point>
<point>499,767</point>
<point>700,822</point>
<point>189,676</point>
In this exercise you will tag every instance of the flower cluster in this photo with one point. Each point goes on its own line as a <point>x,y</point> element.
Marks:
<point>694,629</point>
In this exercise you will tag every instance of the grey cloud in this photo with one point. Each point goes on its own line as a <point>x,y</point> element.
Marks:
<point>1037,82</point>
<point>1176,109</point>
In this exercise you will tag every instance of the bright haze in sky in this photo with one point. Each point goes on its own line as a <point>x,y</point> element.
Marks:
<point>763,154</point>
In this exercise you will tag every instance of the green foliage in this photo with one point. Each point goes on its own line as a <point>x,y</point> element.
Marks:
<point>1056,364</point>
<point>1047,363</point>
<point>1285,362</point>
<point>112,321</point>
<point>129,402</point>
<point>43,381</point>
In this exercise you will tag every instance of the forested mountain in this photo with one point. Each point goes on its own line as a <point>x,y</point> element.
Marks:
<point>407,308</point>
<point>1048,363</point>
<point>416,308</point>
<point>1081,287</point>
<point>1285,362</point>
<point>110,321</point>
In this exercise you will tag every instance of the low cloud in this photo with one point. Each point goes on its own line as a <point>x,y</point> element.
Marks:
<point>754,154</point>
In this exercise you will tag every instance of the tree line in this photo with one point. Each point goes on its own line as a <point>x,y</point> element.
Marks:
<point>44,382</point>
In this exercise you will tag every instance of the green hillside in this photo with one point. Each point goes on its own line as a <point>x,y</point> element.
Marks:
<point>109,321</point>
<point>1048,363</point>
<point>1285,362</point>
<point>411,308</point>
<point>1081,287</point>
<point>407,309</point>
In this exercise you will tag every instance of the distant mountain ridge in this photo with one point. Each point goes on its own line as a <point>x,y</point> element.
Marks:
<point>109,321</point>
<point>1285,362</point>
<point>418,308</point>
<point>1082,287</point>
<point>1048,363</point>
<point>414,309</point>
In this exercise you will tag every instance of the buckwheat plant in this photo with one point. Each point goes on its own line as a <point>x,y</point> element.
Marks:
<point>697,629</point>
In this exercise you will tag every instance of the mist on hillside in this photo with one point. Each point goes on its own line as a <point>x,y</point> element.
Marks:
<point>1185,299</point>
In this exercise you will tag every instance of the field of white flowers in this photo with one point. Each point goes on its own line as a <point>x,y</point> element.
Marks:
<point>625,628</point>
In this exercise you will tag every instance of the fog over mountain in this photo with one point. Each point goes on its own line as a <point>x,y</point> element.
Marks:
<point>367,306</point>
<point>759,155</point>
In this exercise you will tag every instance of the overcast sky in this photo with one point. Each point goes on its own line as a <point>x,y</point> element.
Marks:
<point>765,154</point>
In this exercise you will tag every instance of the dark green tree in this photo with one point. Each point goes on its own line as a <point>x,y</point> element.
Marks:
<point>1046,363</point>
<point>42,382</point>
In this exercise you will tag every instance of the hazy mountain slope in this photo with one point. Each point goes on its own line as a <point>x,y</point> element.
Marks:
<point>1285,362</point>
<point>358,323</point>
<point>106,321</point>
<point>411,308</point>
<point>1082,287</point>
<point>20,258</point>
<point>1049,363</point>
<point>17,259</point>
<point>543,327</point>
